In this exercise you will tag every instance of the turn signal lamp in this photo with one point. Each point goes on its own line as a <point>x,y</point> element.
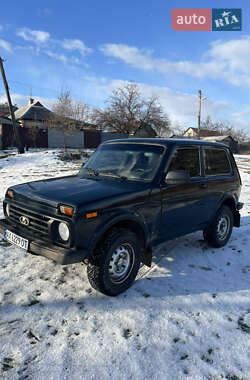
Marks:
<point>66,210</point>
<point>10,193</point>
<point>91,215</point>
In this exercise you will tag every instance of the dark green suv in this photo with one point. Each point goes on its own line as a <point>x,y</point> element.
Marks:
<point>131,195</point>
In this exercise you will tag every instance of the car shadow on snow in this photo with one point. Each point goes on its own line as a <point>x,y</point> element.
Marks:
<point>192,267</point>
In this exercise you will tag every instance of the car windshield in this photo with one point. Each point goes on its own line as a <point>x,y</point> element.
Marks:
<point>137,162</point>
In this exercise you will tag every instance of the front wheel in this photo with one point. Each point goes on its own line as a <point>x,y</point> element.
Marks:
<point>219,231</point>
<point>115,268</point>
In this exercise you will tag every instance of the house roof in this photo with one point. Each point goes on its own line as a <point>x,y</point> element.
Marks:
<point>33,111</point>
<point>147,128</point>
<point>204,132</point>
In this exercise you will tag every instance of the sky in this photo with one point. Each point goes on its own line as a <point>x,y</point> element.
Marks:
<point>91,47</point>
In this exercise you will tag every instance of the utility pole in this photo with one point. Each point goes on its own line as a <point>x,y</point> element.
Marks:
<point>15,126</point>
<point>199,114</point>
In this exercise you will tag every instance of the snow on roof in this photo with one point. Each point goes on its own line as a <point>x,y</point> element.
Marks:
<point>33,111</point>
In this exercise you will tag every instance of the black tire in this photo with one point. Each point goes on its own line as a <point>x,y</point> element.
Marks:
<point>115,268</point>
<point>219,231</point>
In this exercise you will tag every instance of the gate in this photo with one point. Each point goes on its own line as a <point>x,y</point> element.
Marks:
<point>92,139</point>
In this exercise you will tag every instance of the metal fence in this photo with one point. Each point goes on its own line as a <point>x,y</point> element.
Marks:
<point>55,138</point>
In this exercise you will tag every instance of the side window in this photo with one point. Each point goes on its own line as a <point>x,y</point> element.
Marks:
<point>216,162</point>
<point>186,159</point>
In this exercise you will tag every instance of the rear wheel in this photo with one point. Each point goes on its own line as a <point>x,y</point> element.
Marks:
<point>115,268</point>
<point>219,231</point>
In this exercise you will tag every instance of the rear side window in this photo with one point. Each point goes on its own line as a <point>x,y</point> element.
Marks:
<point>186,159</point>
<point>216,162</point>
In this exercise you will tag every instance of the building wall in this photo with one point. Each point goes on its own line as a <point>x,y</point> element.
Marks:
<point>81,139</point>
<point>33,123</point>
<point>113,136</point>
<point>190,133</point>
<point>7,135</point>
<point>92,138</point>
<point>1,134</point>
<point>77,139</point>
<point>73,140</point>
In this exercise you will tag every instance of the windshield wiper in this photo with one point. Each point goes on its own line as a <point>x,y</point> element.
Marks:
<point>110,174</point>
<point>91,171</point>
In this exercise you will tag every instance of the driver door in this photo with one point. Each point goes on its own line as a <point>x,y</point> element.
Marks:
<point>183,205</point>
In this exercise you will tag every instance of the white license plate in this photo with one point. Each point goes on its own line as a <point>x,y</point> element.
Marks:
<point>16,239</point>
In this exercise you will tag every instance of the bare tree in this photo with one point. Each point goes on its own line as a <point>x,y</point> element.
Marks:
<point>81,111</point>
<point>4,108</point>
<point>155,116</point>
<point>177,129</point>
<point>68,115</point>
<point>127,110</point>
<point>225,127</point>
<point>62,114</point>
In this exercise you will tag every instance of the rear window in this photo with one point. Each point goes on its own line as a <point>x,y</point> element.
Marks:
<point>216,162</point>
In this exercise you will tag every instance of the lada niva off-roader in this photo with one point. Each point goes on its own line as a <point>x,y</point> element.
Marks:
<point>131,195</point>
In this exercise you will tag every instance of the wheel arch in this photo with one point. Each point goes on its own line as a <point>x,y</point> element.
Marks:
<point>230,202</point>
<point>130,224</point>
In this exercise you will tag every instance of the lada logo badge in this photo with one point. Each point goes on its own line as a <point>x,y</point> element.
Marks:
<point>23,220</point>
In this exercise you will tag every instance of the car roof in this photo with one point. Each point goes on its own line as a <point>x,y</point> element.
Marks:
<point>166,142</point>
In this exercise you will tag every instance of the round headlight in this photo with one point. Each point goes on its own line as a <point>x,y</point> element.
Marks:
<point>8,209</point>
<point>63,230</point>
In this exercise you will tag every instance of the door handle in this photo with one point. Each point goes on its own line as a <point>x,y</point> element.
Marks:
<point>203,185</point>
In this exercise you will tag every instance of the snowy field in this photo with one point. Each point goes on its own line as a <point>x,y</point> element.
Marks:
<point>188,317</point>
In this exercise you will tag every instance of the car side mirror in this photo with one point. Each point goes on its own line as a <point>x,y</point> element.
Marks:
<point>177,177</point>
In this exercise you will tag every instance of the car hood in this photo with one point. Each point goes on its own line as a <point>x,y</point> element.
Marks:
<point>74,190</point>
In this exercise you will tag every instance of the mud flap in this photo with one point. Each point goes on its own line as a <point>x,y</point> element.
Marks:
<point>236,218</point>
<point>146,257</point>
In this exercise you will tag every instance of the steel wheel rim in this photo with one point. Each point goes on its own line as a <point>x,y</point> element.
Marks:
<point>223,227</point>
<point>121,263</point>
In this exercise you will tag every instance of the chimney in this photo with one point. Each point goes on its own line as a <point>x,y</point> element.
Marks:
<point>31,101</point>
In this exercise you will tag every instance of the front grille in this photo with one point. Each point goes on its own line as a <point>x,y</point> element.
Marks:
<point>38,224</point>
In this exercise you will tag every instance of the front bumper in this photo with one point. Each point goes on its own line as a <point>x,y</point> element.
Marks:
<point>51,251</point>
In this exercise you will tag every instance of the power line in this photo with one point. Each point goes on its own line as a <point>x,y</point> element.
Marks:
<point>76,96</point>
<point>34,86</point>
<point>29,85</point>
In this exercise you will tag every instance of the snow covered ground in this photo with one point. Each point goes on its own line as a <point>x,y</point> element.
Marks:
<point>188,317</point>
